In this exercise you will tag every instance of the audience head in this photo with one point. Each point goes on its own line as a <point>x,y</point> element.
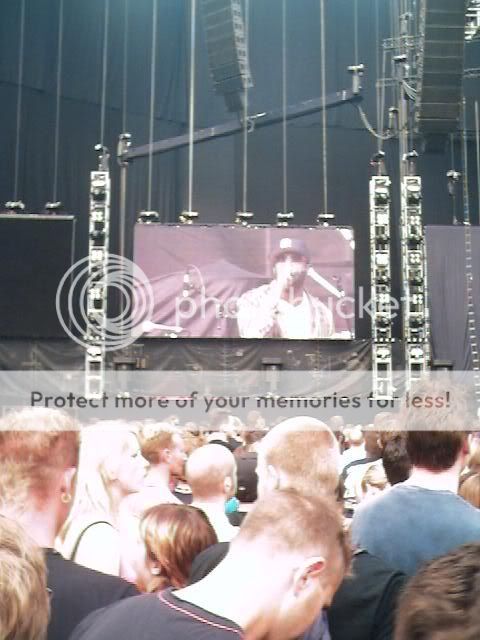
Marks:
<point>39,451</point>
<point>372,445</point>
<point>441,601</point>
<point>111,467</point>
<point>373,482</point>
<point>162,445</point>
<point>396,461</point>
<point>25,602</point>
<point>474,461</point>
<point>355,436</point>
<point>174,534</point>
<point>255,421</point>
<point>435,428</point>
<point>299,453</point>
<point>300,554</point>
<point>211,472</point>
<point>470,490</point>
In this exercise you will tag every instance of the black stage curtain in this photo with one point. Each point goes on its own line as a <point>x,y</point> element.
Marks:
<point>447,285</point>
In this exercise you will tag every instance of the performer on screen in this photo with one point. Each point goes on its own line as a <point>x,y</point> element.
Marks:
<point>283,308</point>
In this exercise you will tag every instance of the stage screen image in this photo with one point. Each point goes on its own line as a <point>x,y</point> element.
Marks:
<point>249,282</point>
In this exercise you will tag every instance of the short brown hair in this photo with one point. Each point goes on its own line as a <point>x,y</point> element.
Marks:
<point>155,438</point>
<point>435,434</point>
<point>441,601</point>
<point>293,522</point>
<point>305,450</point>
<point>36,442</point>
<point>25,607</point>
<point>174,534</point>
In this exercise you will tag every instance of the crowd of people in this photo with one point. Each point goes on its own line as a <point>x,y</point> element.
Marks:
<point>302,529</point>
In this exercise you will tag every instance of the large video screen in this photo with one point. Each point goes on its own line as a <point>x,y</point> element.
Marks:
<point>248,282</point>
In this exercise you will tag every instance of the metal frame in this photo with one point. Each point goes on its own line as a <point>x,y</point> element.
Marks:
<point>414,277</point>
<point>98,245</point>
<point>381,281</point>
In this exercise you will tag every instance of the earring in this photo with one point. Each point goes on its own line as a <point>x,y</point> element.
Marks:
<point>66,498</point>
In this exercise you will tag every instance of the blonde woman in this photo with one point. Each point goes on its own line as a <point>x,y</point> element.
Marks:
<point>111,468</point>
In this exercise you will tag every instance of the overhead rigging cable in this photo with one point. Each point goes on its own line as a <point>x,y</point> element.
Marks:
<point>324,110</point>
<point>355,31</point>
<point>377,67</point>
<point>104,72</point>
<point>125,66</point>
<point>245,107</point>
<point>57,104</point>
<point>153,60</point>
<point>21,54</point>
<point>477,144</point>
<point>284,105</point>
<point>191,106</point>
<point>466,197</point>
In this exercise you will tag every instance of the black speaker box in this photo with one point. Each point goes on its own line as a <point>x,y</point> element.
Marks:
<point>35,252</point>
<point>440,66</point>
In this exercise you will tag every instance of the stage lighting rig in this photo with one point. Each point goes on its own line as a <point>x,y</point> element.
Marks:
<point>16,206</point>
<point>381,313</point>
<point>148,217</point>
<point>415,308</point>
<point>357,71</point>
<point>53,208</point>
<point>325,219</point>
<point>188,217</point>
<point>453,178</point>
<point>284,219</point>
<point>243,218</point>
<point>98,245</point>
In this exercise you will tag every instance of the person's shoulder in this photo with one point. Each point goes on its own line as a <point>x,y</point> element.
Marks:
<point>207,560</point>
<point>254,294</point>
<point>66,576</point>
<point>140,616</point>
<point>384,501</point>
<point>365,563</point>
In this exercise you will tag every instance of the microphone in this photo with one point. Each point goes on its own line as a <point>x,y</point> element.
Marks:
<point>324,283</point>
<point>187,284</point>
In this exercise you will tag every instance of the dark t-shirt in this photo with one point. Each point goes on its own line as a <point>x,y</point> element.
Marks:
<point>77,591</point>
<point>363,607</point>
<point>156,617</point>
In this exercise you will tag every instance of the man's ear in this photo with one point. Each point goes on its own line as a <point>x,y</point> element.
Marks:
<point>166,456</point>
<point>307,574</point>
<point>69,477</point>
<point>273,478</point>
<point>228,485</point>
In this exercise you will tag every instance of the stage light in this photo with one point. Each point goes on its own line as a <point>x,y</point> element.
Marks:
<point>53,208</point>
<point>15,206</point>
<point>148,217</point>
<point>324,219</point>
<point>283,219</point>
<point>243,218</point>
<point>188,217</point>
<point>382,196</point>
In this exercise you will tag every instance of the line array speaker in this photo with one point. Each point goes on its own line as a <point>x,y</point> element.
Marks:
<point>440,65</point>
<point>227,53</point>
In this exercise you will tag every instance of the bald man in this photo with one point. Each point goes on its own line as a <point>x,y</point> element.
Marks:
<point>211,472</point>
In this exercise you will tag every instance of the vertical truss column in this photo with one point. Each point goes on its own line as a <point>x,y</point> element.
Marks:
<point>414,275</point>
<point>380,271</point>
<point>98,243</point>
